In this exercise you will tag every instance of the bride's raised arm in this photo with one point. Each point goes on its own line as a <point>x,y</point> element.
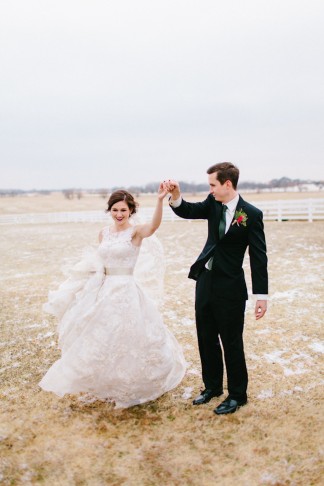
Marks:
<point>148,229</point>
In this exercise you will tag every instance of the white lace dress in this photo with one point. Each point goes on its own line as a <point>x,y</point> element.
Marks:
<point>114,343</point>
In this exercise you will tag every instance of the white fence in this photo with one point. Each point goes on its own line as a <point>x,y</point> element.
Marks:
<point>294,209</point>
<point>281,210</point>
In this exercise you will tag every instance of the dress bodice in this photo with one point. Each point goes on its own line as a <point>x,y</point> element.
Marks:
<point>117,250</point>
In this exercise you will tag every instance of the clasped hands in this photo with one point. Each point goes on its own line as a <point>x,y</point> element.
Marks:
<point>170,186</point>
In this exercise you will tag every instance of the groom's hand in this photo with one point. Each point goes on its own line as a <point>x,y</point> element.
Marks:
<point>260,308</point>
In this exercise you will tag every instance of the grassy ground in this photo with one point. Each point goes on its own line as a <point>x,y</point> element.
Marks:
<point>275,440</point>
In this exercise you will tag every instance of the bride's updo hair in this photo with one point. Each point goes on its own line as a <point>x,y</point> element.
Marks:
<point>122,195</point>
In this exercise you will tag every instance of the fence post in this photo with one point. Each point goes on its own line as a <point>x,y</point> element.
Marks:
<point>310,211</point>
<point>279,210</point>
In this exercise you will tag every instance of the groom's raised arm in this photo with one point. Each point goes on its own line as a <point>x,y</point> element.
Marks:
<point>185,209</point>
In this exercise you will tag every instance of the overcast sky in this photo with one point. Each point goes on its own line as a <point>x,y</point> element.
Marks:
<point>103,93</point>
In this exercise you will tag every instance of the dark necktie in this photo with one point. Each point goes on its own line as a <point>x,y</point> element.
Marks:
<point>222,222</point>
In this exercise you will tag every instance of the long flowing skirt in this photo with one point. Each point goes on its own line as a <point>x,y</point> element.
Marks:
<point>114,343</point>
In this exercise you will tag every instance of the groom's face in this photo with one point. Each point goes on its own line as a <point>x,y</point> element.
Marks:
<point>218,190</point>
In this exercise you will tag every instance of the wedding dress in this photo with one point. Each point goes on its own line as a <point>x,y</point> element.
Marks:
<point>114,343</point>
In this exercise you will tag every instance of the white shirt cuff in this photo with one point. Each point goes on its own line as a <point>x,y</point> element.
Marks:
<point>261,296</point>
<point>175,203</point>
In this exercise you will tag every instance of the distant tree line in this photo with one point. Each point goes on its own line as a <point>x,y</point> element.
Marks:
<point>21,192</point>
<point>151,187</point>
<point>191,187</point>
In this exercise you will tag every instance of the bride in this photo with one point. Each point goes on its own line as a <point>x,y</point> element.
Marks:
<point>114,343</point>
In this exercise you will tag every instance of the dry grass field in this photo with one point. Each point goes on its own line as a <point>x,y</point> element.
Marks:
<point>277,439</point>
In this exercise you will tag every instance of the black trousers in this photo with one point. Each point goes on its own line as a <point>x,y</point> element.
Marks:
<point>220,324</point>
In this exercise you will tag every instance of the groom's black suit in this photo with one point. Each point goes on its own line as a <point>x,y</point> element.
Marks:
<point>221,292</point>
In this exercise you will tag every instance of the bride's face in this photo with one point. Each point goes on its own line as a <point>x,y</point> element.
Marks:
<point>120,213</point>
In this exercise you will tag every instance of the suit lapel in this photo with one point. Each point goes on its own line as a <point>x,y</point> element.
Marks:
<point>217,219</point>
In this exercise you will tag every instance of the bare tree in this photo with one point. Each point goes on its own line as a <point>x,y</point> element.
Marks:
<point>68,193</point>
<point>103,193</point>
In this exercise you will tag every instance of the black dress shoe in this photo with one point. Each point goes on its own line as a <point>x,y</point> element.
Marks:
<point>207,395</point>
<point>229,405</point>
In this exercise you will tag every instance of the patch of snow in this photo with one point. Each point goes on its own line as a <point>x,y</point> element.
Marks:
<point>20,275</point>
<point>170,314</point>
<point>185,321</point>
<point>300,337</point>
<point>193,372</point>
<point>188,347</point>
<point>285,393</point>
<point>33,326</point>
<point>275,357</point>
<point>290,295</point>
<point>299,370</point>
<point>318,347</point>
<point>187,393</point>
<point>46,335</point>
<point>265,394</point>
<point>268,478</point>
<point>294,365</point>
<point>264,331</point>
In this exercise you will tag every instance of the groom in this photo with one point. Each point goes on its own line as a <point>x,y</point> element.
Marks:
<point>233,226</point>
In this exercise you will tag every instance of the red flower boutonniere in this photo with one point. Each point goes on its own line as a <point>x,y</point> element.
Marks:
<point>240,218</point>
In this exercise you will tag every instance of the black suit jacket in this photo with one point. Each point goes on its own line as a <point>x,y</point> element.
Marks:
<point>228,253</point>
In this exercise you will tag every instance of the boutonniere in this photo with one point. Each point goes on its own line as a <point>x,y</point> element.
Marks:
<point>240,218</point>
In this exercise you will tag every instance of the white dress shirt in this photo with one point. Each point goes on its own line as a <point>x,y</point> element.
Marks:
<point>230,211</point>
<point>229,214</point>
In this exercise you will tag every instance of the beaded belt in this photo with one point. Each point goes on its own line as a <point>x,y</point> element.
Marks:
<point>118,271</point>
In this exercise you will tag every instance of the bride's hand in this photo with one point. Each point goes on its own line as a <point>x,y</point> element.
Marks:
<point>162,191</point>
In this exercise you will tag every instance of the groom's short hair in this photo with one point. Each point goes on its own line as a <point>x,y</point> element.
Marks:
<point>225,171</point>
